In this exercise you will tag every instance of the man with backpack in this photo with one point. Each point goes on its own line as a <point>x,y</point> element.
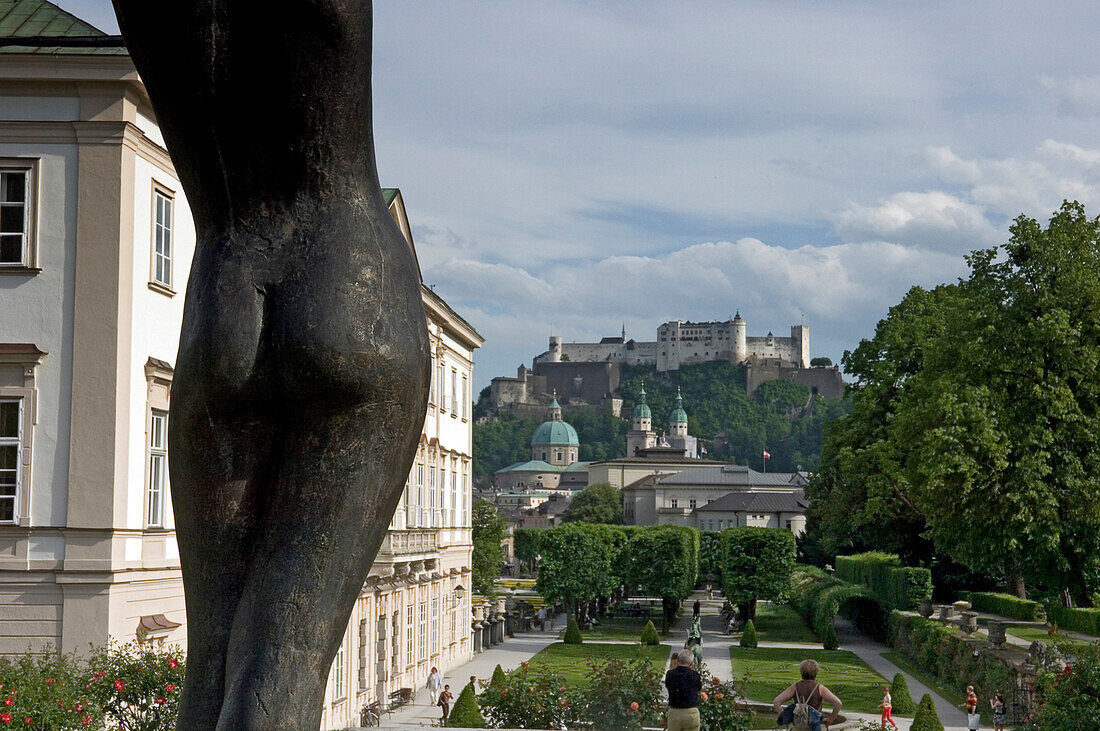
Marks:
<point>684,685</point>
<point>805,713</point>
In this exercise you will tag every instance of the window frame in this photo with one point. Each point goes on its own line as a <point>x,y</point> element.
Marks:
<point>465,397</point>
<point>156,454</point>
<point>339,681</point>
<point>454,393</point>
<point>423,631</point>
<point>28,261</point>
<point>410,640</point>
<point>19,369</point>
<point>14,441</point>
<point>161,191</point>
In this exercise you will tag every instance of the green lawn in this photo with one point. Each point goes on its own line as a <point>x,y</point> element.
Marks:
<point>571,661</point>
<point>780,623</point>
<point>1040,633</point>
<point>625,628</point>
<point>770,670</point>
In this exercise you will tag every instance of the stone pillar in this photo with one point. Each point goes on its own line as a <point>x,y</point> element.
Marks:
<point>945,612</point>
<point>996,632</point>
<point>968,622</point>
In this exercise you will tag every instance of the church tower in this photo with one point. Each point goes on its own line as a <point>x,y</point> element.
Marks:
<point>555,441</point>
<point>642,435</point>
<point>678,429</point>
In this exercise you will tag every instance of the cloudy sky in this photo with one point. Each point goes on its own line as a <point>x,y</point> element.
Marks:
<point>571,166</point>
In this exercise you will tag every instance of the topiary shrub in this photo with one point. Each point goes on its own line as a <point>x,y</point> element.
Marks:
<point>926,718</point>
<point>498,677</point>
<point>649,634</point>
<point>903,700</point>
<point>573,633</point>
<point>748,635</point>
<point>466,714</point>
<point>829,639</point>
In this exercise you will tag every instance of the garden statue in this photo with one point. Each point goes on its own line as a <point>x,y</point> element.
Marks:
<point>300,383</point>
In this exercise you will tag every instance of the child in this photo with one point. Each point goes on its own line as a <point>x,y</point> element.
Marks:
<point>887,706</point>
<point>998,706</point>
<point>445,701</point>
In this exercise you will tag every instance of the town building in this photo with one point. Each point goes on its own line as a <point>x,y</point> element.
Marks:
<point>96,240</point>
<point>555,448</point>
<point>786,510</point>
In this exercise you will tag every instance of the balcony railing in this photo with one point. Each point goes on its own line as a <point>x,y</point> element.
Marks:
<point>409,542</point>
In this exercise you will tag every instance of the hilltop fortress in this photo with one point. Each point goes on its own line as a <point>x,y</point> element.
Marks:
<point>585,374</point>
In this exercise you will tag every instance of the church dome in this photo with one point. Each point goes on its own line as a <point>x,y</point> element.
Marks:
<point>556,434</point>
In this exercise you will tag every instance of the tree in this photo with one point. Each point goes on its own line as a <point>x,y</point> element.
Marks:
<point>664,563</point>
<point>488,535</point>
<point>710,564</point>
<point>649,634</point>
<point>578,564</point>
<point>525,543</point>
<point>976,417</point>
<point>600,502</point>
<point>756,564</point>
<point>820,361</point>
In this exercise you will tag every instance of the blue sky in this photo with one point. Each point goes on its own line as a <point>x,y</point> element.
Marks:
<point>570,166</point>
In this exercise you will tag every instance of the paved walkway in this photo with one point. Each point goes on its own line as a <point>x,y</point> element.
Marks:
<point>508,654</point>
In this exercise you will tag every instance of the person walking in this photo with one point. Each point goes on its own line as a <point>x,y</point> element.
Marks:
<point>887,706</point>
<point>542,619</point>
<point>695,609</point>
<point>998,706</point>
<point>684,685</point>
<point>709,591</point>
<point>973,718</point>
<point>435,684</point>
<point>806,693</point>
<point>445,701</point>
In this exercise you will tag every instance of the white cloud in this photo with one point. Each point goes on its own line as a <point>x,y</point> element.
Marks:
<point>933,219</point>
<point>1076,95</point>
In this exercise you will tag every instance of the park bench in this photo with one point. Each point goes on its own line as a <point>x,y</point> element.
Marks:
<point>400,697</point>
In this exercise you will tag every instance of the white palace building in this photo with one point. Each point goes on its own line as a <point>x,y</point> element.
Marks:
<point>96,241</point>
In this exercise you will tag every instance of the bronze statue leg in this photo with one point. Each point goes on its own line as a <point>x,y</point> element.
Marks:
<point>301,379</point>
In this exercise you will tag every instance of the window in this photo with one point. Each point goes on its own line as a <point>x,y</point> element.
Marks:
<point>17,208</point>
<point>162,239</point>
<point>442,387</point>
<point>338,691</point>
<point>409,641</point>
<point>465,397</point>
<point>674,502</point>
<point>691,503</point>
<point>435,624</point>
<point>454,393</point>
<point>423,631</point>
<point>158,469</point>
<point>454,498</point>
<point>11,421</point>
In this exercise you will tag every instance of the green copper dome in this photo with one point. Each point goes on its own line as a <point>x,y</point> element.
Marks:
<point>679,416</point>
<point>641,410</point>
<point>555,434</point>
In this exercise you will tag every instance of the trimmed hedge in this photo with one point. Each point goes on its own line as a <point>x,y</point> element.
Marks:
<point>896,586</point>
<point>818,598</point>
<point>926,718</point>
<point>903,700</point>
<point>499,677</point>
<point>1006,605</point>
<point>465,713</point>
<point>573,633</point>
<point>748,635</point>
<point>1077,620</point>
<point>649,635</point>
<point>949,656</point>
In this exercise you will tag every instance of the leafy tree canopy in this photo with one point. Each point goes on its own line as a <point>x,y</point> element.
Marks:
<point>976,415</point>
<point>600,502</point>
<point>488,535</point>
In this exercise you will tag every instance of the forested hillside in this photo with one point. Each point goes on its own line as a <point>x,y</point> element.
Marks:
<point>731,425</point>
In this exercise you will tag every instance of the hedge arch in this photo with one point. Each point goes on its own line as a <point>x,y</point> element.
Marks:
<point>820,599</point>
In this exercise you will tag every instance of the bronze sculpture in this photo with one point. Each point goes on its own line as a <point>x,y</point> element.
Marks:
<point>300,385</point>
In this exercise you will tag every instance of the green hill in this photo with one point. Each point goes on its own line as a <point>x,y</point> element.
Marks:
<point>732,425</point>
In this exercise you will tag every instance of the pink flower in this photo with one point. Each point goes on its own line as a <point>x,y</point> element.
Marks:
<point>173,662</point>
<point>78,708</point>
<point>161,701</point>
<point>5,717</point>
<point>49,681</point>
<point>86,721</point>
<point>634,706</point>
<point>119,685</point>
<point>8,701</point>
<point>170,687</point>
<point>703,696</point>
<point>29,720</point>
